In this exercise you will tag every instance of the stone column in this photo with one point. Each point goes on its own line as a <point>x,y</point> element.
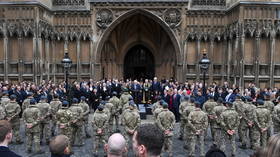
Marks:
<point>6,40</point>
<point>91,62</point>
<point>236,59</point>
<point>40,58</point>
<point>47,59</point>
<point>20,61</point>
<point>78,59</point>
<point>197,58</point>
<point>185,68</point>
<point>211,56</point>
<point>257,64</point>
<point>242,50</point>
<point>229,57</point>
<point>53,60</point>
<point>272,52</point>
<point>35,62</point>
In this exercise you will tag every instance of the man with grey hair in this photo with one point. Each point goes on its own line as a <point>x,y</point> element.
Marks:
<point>116,146</point>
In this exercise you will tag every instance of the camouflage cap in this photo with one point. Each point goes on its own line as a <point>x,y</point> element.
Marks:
<point>43,97</point>
<point>260,102</point>
<point>13,96</point>
<point>75,100</point>
<point>33,101</point>
<point>165,105</point>
<point>83,98</point>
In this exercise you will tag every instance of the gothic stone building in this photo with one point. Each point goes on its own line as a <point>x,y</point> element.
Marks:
<point>141,38</point>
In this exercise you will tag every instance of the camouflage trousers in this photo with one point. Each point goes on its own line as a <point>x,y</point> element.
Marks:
<point>276,128</point>
<point>53,127</point>
<point>99,140</point>
<point>183,127</point>
<point>187,136</point>
<point>15,123</point>
<point>167,145</point>
<point>211,125</point>
<point>77,133</point>
<point>259,138</point>
<point>110,125</point>
<point>231,140</point>
<point>45,131</point>
<point>116,119</point>
<point>32,136</point>
<point>67,131</point>
<point>194,139</point>
<point>218,136</point>
<point>242,132</point>
<point>86,126</point>
<point>128,138</point>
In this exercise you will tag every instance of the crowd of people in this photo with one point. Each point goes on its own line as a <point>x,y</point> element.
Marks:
<point>252,115</point>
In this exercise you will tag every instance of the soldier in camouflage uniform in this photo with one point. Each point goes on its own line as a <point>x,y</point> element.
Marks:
<point>198,122</point>
<point>99,124</point>
<point>124,98</point>
<point>249,111</point>
<point>131,121</point>
<point>240,106</point>
<point>126,105</point>
<point>86,111</point>
<point>109,109</point>
<point>218,133</point>
<point>5,99</point>
<point>182,108</point>
<point>185,115</point>
<point>77,123</point>
<point>12,115</point>
<point>26,101</point>
<point>263,121</point>
<point>31,117</point>
<point>45,110</point>
<point>156,104</point>
<point>158,110</point>
<point>208,108</point>
<point>55,105</point>
<point>64,119</point>
<point>166,121</point>
<point>270,106</point>
<point>230,122</point>
<point>276,118</point>
<point>2,113</point>
<point>116,109</point>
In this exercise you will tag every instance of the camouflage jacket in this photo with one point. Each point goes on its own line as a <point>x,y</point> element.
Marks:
<point>77,113</point>
<point>198,120</point>
<point>276,115</point>
<point>131,120</point>
<point>2,113</point>
<point>124,99</point>
<point>230,119</point>
<point>166,121</point>
<point>187,112</point>
<point>157,112</point>
<point>218,110</point>
<point>45,110</point>
<point>85,108</point>
<point>100,121</point>
<point>26,103</point>
<point>155,106</point>
<point>5,100</point>
<point>183,107</point>
<point>117,105</point>
<point>64,116</point>
<point>55,106</point>
<point>12,110</point>
<point>262,117</point>
<point>32,116</point>
<point>209,106</point>
<point>269,105</point>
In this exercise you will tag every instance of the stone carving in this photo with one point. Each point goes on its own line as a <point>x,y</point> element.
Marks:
<point>104,17</point>
<point>172,17</point>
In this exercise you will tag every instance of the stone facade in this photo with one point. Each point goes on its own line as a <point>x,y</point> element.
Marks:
<point>241,38</point>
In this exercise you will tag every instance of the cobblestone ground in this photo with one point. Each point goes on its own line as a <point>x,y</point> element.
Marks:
<point>86,150</point>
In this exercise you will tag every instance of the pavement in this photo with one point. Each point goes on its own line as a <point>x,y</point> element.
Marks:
<point>86,150</point>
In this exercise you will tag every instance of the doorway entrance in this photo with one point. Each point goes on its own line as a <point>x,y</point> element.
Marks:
<point>139,63</point>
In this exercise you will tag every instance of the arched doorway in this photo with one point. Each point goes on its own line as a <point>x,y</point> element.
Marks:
<point>138,27</point>
<point>139,63</point>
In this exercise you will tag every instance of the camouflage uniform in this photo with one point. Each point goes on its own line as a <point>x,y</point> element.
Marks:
<point>198,122</point>
<point>5,100</point>
<point>131,121</point>
<point>55,105</point>
<point>276,119</point>
<point>239,108</point>
<point>12,114</point>
<point>108,108</point>
<point>185,115</point>
<point>155,106</point>
<point>166,122</point>
<point>99,124</point>
<point>26,103</point>
<point>45,110</point>
<point>2,113</point>
<point>86,111</point>
<point>116,110</point>
<point>77,123</point>
<point>218,133</point>
<point>208,108</point>
<point>183,122</point>
<point>262,119</point>
<point>157,111</point>
<point>124,100</point>
<point>249,111</point>
<point>230,121</point>
<point>270,106</point>
<point>64,119</point>
<point>31,117</point>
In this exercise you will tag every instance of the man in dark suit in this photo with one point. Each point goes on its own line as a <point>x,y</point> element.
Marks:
<point>6,136</point>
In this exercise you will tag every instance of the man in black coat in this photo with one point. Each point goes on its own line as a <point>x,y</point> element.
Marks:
<point>6,136</point>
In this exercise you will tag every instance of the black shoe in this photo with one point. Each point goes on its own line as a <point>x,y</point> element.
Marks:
<point>186,147</point>
<point>243,147</point>
<point>180,138</point>
<point>38,152</point>
<point>88,136</point>
<point>19,142</point>
<point>28,151</point>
